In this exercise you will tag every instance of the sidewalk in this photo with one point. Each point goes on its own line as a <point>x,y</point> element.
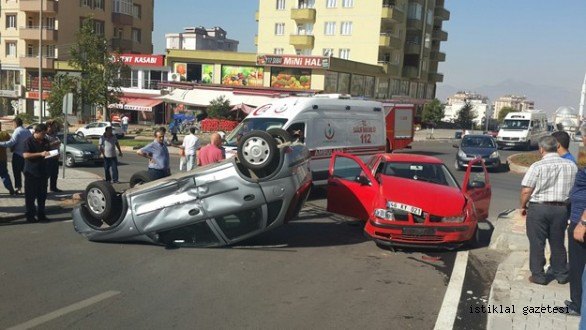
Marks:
<point>12,208</point>
<point>511,286</point>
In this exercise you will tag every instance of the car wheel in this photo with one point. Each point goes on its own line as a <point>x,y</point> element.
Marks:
<point>281,135</point>
<point>475,241</point>
<point>139,178</point>
<point>80,134</point>
<point>102,202</point>
<point>69,160</point>
<point>256,150</point>
<point>528,146</point>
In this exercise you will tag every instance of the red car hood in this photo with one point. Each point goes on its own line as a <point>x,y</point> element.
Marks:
<point>430,197</point>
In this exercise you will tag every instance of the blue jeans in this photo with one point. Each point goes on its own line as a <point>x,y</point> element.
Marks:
<point>156,174</point>
<point>5,176</point>
<point>111,163</point>
<point>583,308</point>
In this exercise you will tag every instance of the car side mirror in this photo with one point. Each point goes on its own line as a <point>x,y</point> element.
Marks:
<point>364,181</point>
<point>477,184</point>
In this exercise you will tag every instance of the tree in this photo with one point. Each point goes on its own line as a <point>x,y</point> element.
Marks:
<point>433,112</point>
<point>466,116</point>
<point>62,84</point>
<point>219,108</point>
<point>101,70</point>
<point>503,113</point>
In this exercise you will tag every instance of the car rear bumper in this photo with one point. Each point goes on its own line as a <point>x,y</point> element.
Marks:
<point>419,235</point>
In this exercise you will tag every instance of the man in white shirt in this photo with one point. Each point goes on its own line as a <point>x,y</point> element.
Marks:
<point>190,146</point>
<point>124,121</point>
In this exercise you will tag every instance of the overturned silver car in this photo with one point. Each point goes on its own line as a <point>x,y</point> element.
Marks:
<point>215,205</point>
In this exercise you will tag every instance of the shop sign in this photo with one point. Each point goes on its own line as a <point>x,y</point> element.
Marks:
<point>35,95</point>
<point>142,60</point>
<point>312,62</point>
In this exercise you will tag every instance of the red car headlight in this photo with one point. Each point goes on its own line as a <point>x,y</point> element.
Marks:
<point>384,214</point>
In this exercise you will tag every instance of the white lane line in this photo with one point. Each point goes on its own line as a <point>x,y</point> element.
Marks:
<point>449,310</point>
<point>65,310</point>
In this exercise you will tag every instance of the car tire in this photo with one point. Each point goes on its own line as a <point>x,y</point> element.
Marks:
<point>256,150</point>
<point>102,202</point>
<point>476,240</point>
<point>80,134</point>
<point>69,160</point>
<point>281,135</point>
<point>139,178</point>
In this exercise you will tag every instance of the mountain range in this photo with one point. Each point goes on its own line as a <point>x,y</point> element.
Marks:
<point>546,98</point>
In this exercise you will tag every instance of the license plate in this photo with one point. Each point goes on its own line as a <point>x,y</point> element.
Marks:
<point>510,144</point>
<point>419,231</point>
<point>404,207</point>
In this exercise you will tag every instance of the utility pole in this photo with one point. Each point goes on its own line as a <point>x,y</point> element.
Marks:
<point>41,108</point>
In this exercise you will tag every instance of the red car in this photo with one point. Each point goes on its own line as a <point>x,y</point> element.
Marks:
<point>409,200</point>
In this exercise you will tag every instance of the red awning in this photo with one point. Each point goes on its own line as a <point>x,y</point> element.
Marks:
<point>136,104</point>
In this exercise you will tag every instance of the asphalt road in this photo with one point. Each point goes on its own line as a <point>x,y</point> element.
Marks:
<point>317,272</point>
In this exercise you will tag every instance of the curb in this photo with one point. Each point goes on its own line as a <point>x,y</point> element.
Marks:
<point>515,167</point>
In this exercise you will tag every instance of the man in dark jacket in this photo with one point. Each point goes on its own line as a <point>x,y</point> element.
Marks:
<point>35,174</point>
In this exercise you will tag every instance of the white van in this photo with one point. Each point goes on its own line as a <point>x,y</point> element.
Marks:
<point>522,129</point>
<point>326,123</point>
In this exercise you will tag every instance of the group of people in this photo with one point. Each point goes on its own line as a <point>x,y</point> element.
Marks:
<point>32,157</point>
<point>553,191</point>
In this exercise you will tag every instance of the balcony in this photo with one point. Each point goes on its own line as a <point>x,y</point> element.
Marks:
<point>303,15</point>
<point>410,72</point>
<point>437,56</point>
<point>393,15</point>
<point>121,44</point>
<point>441,13</point>
<point>49,6</point>
<point>389,41</point>
<point>412,48</point>
<point>32,33</point>
<point>435,77</point>
<point>121,19</point>
<point>439,35</point>
<point>301,41</point>
<point>415,24</point>
<point>33,62</point>
<point>391,69</point>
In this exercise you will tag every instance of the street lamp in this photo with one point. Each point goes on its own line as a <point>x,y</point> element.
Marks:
<point>41,108</point>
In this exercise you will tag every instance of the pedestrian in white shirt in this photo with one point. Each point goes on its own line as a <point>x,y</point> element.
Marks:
<point>190,146</point>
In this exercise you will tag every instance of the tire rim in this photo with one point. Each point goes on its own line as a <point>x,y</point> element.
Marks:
<point>256,151</point>
<point>96,201</point>
<point>69,160</point>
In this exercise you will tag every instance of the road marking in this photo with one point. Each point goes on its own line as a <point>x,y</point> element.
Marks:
<point>449,310</point>
<point>65,310</point>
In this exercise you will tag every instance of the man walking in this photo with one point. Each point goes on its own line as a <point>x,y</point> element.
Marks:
<point>53,162</point>
<point>190,146</point>
<point>108,144</point>
<point>124,121</point>
<point>4,136</point>
<point>544,199</point>
<point>158,155</point>
<point>17,144</point>
<point>35,174</point>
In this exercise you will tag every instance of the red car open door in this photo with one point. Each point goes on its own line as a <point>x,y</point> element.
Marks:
<point>351,187</point>
<point>477,186</point>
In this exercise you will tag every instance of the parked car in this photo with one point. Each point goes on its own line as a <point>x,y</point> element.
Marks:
<point>265,186</point>
<point>78,150</point>
<point>96,129</point>
<point>473,146</point>
<point>410,200</point>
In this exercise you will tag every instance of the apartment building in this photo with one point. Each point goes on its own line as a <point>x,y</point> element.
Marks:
<point>480,106</point>
<point>403,37</point>
<point>200,38</point>
<point>519,103</point>
<point>51,25</point>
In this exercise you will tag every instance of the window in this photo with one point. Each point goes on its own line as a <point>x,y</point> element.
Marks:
<point>123,7</point>
<point>99,4</point>
<point>11,49</point>
<point>30,51</point>
<point>347,3</point>
<point>330,28</point>
<point>331,4</point>
<point>50,51</point>
<point>328,52</point>
<point>50,23</point>
<point>280,4</point>
<point>344,53</point>
<point>346,28</point>
<point>85,3</point>
<point>136,37</point>
<point>279,29</point>
<point>11,21</point>
<point>414,11</point>
<point>278,51</point>
<point>99,27</point>
<point>136,11</point>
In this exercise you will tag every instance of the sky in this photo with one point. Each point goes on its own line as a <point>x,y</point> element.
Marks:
<point>538,42</point>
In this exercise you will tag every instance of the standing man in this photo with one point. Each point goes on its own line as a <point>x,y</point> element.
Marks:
<point>53,162</point>
<point>544,199</point>
<point>35,174</point>
<point>158,155</point>
<point>212,152</point>
<point>4,136</point>
<point>108,144</point>
<point>17,143</point>
<point>563,139</point>
<point>124,121</point>
<point>190,146</point>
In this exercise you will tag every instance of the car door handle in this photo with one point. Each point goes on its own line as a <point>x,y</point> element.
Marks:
<point>194,212</point>
<point>249,198</point>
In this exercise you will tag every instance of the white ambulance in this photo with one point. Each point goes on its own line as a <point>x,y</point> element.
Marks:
<point>325,123</point>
